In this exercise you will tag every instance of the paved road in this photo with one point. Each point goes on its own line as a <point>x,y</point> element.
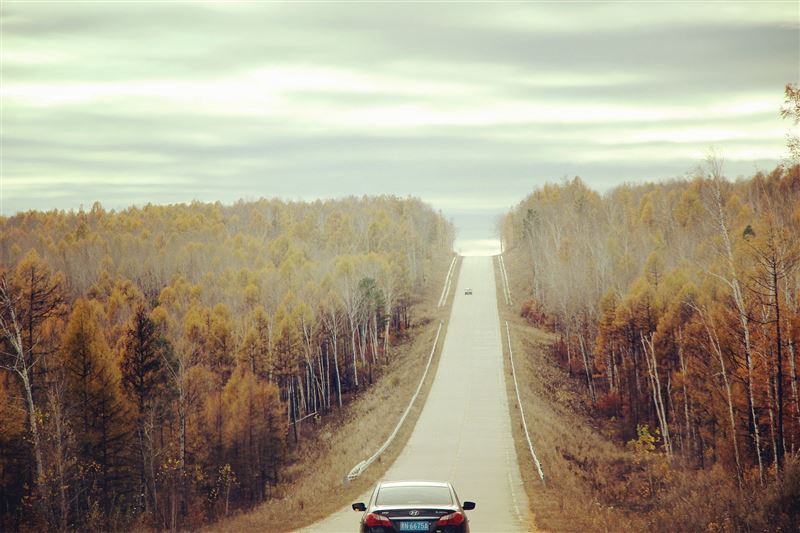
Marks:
<point>464,431</point>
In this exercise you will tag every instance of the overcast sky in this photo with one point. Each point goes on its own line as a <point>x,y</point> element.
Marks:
<point>466,105</point>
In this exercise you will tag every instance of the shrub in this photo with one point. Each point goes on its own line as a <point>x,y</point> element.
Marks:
<point>533,313</point>
<point>608,404</point>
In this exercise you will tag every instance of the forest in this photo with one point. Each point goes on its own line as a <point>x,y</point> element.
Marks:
<point>677,305</point>
<point>157,361</point>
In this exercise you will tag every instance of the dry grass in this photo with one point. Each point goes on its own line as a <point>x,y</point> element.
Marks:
<point>577,458</point>
<point>566,443</point>
<point>315,483</point>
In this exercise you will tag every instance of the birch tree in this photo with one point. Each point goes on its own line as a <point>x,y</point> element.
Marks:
<point>715,207</point>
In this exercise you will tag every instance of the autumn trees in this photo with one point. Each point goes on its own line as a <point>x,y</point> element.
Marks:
<point>143,358</point>
<point>30,301</point>
<point>96,412</point>
<point>156,359</point>
<point>677,302</point>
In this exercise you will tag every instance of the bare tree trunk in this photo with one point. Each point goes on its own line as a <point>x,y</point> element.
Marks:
<point>182,422</point>
<point>635,358</point>
<point>34,426</point>
<point>386,335</point>
<point>21,366</point>
<point>779,378</point>
<point>671,412</point>
<point>754,419</point>
<point>715,346</point>
<point>770,388</point>
<point>327,378</point>
<point>227,496</point>
<point>569,352</point>
<point>587,367</point>
<point>173,513</point>
<point>328,384</point>
<point>293,408</point>
<point>336,367</point>
<point>179,379</point>
<point>58,420</point>
<point>314,385</point>
<point>151,456</point>
<point>362,349</point>
<point>353,342</point>
<point>322,381</point>
<point>682,362</point>
<point>301,403</point>
<point>791,303</point>
<point>770,403</point>
<point>655,385</point>
<point>793,370</point>
<point>718,212</point>
<point>375,343</point>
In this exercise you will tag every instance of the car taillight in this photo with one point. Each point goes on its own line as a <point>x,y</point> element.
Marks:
<point>373,520</point>
<point>452,519</point>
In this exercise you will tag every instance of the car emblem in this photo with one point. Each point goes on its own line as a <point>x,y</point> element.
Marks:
<point>413,513</point>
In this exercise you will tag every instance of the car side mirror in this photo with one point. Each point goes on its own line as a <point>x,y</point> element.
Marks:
<point>468,506</point>
<point>359,506</point>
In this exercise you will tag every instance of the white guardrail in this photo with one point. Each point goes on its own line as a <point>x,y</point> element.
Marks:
<point>504,276</point>
<point>360,467</point>
<point>447,280</point>
<point>521,410</point>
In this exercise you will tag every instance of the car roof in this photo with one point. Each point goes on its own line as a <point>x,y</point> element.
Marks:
<point>414,484</point>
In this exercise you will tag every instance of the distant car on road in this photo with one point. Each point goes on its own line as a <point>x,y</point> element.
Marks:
<point>399,506</point>
<point>468,291</point>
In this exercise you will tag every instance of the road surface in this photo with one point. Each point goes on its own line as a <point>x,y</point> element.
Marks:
<point>464,431</point>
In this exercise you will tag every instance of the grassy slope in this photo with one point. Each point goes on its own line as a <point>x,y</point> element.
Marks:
<point>315,482</point>
<point>576,454</point>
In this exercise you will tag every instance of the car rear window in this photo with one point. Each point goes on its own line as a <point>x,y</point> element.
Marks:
<point>414,495</point>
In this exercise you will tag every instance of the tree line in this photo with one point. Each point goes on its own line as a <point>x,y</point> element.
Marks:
<point>678,305</point>
<point>157,361</point>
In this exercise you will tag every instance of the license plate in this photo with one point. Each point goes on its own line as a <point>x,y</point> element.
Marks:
<point>416,525</point>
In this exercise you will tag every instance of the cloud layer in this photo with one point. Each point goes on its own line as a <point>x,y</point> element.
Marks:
<point>468,105</point>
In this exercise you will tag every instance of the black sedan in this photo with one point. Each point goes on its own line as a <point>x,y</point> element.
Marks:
<point>399,506</point>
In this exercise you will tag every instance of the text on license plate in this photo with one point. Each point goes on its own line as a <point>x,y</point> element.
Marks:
<point>416,525</point>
